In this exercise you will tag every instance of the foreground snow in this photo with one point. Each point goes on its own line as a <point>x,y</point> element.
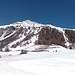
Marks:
<point>40,63</point>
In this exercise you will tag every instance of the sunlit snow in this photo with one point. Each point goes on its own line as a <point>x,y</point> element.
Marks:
<point>61,62</point>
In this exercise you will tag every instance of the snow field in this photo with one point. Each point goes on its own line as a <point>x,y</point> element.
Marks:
<point>40,63</point>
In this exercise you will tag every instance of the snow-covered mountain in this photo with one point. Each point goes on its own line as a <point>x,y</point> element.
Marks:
<point>55,58</point>
<point>33,36</point>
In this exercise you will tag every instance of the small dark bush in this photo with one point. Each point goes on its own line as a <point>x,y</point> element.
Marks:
<point>6,49</point>
<point>0,56</point>
<point>24,51</point>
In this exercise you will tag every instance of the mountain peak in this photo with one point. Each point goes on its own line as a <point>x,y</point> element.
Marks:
<point>28,21</point>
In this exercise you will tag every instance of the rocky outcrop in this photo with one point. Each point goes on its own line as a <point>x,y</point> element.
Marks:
<point>70,34</point>
<point>10,38</point>
<point>48,36</point>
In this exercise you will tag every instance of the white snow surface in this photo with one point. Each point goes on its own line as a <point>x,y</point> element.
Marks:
<point>61,62</point>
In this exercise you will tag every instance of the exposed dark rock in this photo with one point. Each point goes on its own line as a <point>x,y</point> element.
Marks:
<point>6,49</point>
<point>1,31</point>
<point>24,51</point>
<point>48,36</point>
<point>10,39</point>
<point>70,34</point>
<point>12,27</point>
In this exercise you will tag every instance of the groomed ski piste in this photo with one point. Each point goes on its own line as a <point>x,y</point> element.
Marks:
<point>51,62</point>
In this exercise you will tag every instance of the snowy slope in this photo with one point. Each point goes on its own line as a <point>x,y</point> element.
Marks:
<point>45,63</point>
<point>29,28</point>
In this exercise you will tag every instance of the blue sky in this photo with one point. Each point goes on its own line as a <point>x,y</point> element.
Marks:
<point>56,12</point>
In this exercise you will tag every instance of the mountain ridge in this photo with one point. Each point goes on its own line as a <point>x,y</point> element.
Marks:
<point>27,34</point>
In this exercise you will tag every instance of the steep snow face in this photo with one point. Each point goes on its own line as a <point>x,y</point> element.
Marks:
<point>66,39</point>
<point>27,23</point>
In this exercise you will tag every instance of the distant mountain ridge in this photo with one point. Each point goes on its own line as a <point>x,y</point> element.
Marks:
<point>32,35</point>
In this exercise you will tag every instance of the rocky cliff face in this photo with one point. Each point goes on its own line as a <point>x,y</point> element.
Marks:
<point>48,36</point>
<point>26,34</point>
<point>71,35</point>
